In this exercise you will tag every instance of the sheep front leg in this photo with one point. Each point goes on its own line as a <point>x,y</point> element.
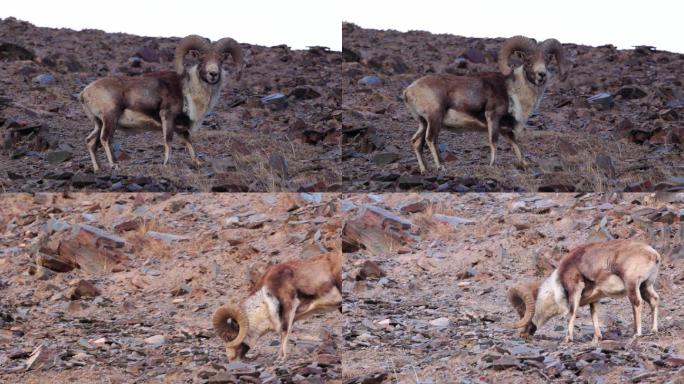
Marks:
<point>185,137</point>
<point>595,321</point>
<point>168,126</point>
<point>510,135</point>
<point>493,132</point>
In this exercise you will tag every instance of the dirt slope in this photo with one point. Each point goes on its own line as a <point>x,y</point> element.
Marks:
<point>246,145</point>
<point>572,144</point>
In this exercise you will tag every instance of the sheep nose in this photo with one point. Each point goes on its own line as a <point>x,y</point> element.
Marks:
<point>541,76</point>
<point>212,75</point>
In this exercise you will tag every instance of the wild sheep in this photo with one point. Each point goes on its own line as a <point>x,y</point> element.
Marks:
<point>286,292</point>
<point>498,102</point>
<point>167,101</point>
<point>587,274</point>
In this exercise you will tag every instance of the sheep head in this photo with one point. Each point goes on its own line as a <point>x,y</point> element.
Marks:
<point>233,332</point>
<point>535,57</point>
<point>210,57</point>
<point>523,298</point>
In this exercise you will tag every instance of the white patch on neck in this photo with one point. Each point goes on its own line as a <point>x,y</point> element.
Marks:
<point>262,311</point>
<point>523,97</point>
<point>199,97</point>
<point>551,300</point>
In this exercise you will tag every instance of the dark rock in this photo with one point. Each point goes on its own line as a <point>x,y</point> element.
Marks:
<point>557,188</point>
<point>410,181</point>
<point>474,55</point>
<point>370,269</point>
<point>414,207</point>
<point>278,164</point>
<point>83,288</point>
<point>56,157</point>
<point>305,93</point>
<point>81,180</point>
<point>643,186</point>
<point>385,158</point>
<point>605,163</point>
<point>631,92</point>
<point>505,362</point>
<point>12,52</point>
<point>148,54</point>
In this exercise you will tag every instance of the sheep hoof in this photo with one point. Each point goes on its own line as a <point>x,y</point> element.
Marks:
<point>567,340</point>
<point>596,340</point>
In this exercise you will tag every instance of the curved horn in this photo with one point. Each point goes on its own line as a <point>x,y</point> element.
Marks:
<point>228,45</point>
<point>523,294</point>
<point>186,44</point>
<point>554,47</point>
<point>224,331</point>
<point>515,43</point>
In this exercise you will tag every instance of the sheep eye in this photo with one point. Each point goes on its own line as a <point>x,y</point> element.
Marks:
<point>194,54</point>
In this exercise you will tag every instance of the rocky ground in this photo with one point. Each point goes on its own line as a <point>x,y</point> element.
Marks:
<point>152,269</point>
<point>615,124</point>
<point>426,281</point>
<point>288,142</point>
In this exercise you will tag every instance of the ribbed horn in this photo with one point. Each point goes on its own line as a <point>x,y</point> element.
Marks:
<point>522,295</point>
<point>186,44</point>
<point>228,45</point>
<point>515,43</point>
<point>554,47</point>
<point>225,332</point>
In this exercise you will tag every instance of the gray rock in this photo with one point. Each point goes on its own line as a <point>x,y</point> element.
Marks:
<point>166,237</point>
<point>601,101</point>
<point>370,81</point>
<point>44,79</point>
<point>155,341</point>
<point>452,220</point>
<point>441,322</point>
<point>275,101</point>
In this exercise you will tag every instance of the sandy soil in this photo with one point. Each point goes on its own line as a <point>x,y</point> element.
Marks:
<point>458,275</point>
<point>167,287</point>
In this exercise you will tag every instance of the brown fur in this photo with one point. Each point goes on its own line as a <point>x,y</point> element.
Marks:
<point>593,271</point>
<point>300,288</point>
<point>157,101</point>
<point>480,101</point>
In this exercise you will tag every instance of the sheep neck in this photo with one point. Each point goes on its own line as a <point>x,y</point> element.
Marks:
<point>199,97</point>
<point>523,97</point>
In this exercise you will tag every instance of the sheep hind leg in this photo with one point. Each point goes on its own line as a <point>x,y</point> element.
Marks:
<point>634,296</point>
<point>108,127</point>
<point>289,312</point>
<point>649,294</point>
<point>92,142</point>
<point>574,296</point>
<point>418,142</point>
<point>434,125</point>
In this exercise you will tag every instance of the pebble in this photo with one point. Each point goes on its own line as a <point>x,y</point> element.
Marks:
<point>370,81</point>
<point>44,79</point>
